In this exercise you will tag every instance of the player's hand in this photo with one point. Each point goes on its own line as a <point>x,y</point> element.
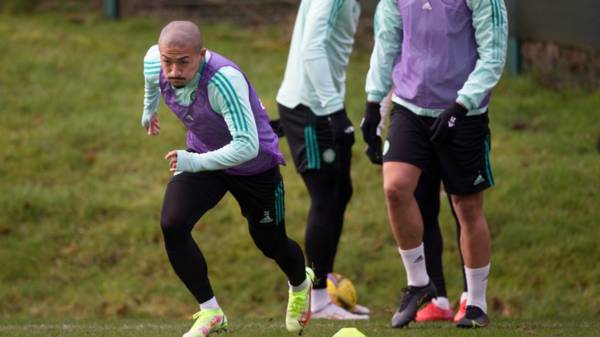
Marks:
<point>368,126</point>
<point>277,127</point>
<point>147,118</point>
<point>154,126</point>
<point>444,127</point>
<point>343,130</point>
<point>172,158</point>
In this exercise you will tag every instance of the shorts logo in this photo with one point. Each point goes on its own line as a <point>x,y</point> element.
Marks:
<point>386,147</point>
<point>329,156</point>
<point>480,179</point>
<point>267,218</point>
<point>427,6</point>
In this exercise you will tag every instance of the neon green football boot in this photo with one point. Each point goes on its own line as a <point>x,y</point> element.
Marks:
<point>298,308</point>
<point>207,322</point>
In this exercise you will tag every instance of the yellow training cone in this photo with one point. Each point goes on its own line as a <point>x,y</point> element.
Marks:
<point>349,332</point>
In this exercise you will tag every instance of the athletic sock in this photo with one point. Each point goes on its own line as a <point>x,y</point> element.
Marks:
<point>441,302</point>
<point>319,298</point>
<point>414,264</point>
<point>476,285</point>
<point>210,304</point>
<point>301,286</point>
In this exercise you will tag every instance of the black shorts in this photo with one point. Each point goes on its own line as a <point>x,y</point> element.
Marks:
<point>260,196</point>
<point>311,139</point>
<point>464,164</point>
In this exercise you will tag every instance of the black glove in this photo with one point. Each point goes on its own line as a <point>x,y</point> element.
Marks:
<point>444,127</point>
<point>343,131</point>
<point>368,126</point>
<point>277,127</point>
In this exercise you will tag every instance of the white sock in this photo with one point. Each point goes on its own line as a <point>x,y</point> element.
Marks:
<point>210,304</point>
<point>319,299</point>
<point>441,302</point>
<point>476,285</point>
<point>414,264</point>
<point>302,285</point>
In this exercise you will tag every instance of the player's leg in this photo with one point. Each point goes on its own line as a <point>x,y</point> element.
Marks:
<point>399,184</point>
<point>262,200</point>
<point>188,196</point>
<point>476,248</point>
<point>344,157</point>
<point>406,153</point>
<point>324,165</point>
<point>407,228</point>
<point>466,173</point>
<point>330,189</point>
<point>345,190</point>
<point>323,230</point>
<point>462,302</point>
<point>323,226</point>
<point>428,199</point>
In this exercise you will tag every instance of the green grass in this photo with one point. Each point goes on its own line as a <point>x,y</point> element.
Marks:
<point>275,328</point>
<point>82,187</point>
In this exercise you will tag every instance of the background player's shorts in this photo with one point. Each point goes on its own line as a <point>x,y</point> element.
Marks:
<point>464,164</point>
<point>311,139</point>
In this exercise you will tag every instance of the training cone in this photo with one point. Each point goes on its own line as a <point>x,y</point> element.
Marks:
<point>349,332</point>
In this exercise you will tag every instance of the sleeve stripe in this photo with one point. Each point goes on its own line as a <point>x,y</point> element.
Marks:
<point>498,21</point>
<point>234,99</point>
<point>227,101</point>
<point>334,12</point>
<point>494,12</point>
<point>229,95</point>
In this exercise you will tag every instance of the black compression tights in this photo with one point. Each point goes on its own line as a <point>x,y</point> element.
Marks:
<point>186,200</point>
<point>428,199</point>
<point>330,192</point>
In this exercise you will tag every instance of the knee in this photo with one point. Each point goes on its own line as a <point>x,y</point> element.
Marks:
<point>269,242</point>
<point>397,191</point>
<point>173,228</point>
<point>469,208</point>
<point>271,250</point>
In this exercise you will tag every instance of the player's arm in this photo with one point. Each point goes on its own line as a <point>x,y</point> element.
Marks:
<point>228,95</point>
<point>491,34</point>
<point>320,16</point>
<point>387,48</point>
<point>151,90</point>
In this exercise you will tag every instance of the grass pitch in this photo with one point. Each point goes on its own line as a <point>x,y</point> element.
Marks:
<point>275,328</point>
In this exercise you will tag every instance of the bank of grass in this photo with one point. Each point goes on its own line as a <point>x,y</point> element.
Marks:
<point>82,187</point>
